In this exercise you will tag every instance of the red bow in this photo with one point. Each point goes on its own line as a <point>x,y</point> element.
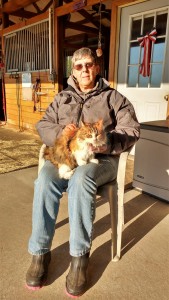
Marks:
<point>146,42</point>
<point>2,65</point>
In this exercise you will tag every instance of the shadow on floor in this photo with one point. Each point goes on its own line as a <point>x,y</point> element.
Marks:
<point>142,214</point>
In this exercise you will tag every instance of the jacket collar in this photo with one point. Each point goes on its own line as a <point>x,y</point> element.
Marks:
<point>101,84</point>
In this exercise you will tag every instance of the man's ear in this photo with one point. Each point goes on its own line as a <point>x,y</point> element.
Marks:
<point>75,79</point>
<point>73,73</point>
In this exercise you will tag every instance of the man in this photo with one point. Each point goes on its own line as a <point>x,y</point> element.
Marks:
<point>88,98</point>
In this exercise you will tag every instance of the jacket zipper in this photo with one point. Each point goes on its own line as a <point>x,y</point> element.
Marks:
<point>79,113</point>
<point>80,110</point>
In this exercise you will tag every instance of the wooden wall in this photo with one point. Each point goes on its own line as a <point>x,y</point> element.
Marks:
<point>21,113</point>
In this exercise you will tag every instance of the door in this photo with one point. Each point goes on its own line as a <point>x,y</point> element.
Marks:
<point>148,92</point>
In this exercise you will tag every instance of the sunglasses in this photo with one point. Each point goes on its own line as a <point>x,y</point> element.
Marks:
<point>79,67</point>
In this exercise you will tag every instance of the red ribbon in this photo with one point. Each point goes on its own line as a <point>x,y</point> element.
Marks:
<point>146,42</point>
<point>2,65</point>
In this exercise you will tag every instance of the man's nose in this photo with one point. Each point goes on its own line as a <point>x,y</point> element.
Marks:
<point>84,68</point>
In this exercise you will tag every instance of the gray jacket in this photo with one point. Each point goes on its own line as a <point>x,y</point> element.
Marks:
<point>71,105</point>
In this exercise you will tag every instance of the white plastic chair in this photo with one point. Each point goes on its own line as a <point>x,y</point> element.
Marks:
<point>114,192</point>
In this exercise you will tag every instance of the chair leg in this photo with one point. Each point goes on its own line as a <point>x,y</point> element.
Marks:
<point>120,192</point>
<point>113,200</point>
<point>116,197</point>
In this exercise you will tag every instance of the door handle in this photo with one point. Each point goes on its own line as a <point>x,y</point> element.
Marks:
<point>166,97</point>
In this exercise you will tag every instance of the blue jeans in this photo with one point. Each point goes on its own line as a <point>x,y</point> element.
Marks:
<point>81,188</point>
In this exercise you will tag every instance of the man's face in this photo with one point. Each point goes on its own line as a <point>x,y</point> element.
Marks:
<point>85,71</point>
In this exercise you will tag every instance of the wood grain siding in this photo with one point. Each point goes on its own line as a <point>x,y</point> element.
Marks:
<point>20,113</point>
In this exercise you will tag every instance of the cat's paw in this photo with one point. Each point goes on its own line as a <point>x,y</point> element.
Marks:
<point>65,172</point>
<point>81,162</point>
<point>69,174</point>
<point>94,160</point>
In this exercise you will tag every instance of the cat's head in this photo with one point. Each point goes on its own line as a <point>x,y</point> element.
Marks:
<point>92,133</point>
<point>98,125</point>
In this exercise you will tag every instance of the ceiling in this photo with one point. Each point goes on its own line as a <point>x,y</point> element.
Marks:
<point>82,27</point>
<point>15,11</point>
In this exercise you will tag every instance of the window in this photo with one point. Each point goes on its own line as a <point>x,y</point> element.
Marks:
<point>28,49</point>
<point>141,25</point>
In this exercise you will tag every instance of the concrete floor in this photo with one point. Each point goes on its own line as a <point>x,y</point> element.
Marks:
<point>141,274</point>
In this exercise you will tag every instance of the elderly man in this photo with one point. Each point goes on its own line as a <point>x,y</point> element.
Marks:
<point>90,98</point>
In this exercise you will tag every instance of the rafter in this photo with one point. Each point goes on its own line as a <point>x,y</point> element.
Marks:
<point>23,14</point>
<point>47,6</point>
<point>82,28</point>
<point>87,16</point>
<point>37,8</point>
<point>15,5</point>
<point>78,37</point>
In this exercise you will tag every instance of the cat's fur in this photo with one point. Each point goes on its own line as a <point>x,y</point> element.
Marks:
<point>69,152</point>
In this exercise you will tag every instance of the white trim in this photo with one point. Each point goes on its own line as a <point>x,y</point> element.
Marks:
<point>25,27</point>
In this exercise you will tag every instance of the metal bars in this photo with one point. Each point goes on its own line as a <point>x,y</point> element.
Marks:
<point>27,49</point>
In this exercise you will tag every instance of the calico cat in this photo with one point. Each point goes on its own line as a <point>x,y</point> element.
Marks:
<point>69,152</point>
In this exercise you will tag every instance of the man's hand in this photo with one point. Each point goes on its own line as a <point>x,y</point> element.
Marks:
<point>70,130</point>
<point>100,149</point>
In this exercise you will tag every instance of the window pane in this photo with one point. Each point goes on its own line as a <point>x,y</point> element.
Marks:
<point>158,51</point>
<point>156,75</point>
<point>142,54</point>
<point>143,81</point>
<point>132,76</point>
<point>148,25</point>
<point>134,53</point>
<point>161,24</point>
<point>136,29</point>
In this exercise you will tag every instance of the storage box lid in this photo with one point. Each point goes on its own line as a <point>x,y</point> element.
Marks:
<point>160,125</point>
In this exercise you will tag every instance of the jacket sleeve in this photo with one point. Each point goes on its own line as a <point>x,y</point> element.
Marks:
<point>48,127</point>
<point>126,130</point>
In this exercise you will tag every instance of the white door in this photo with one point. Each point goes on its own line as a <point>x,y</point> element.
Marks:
<point>146,93</point>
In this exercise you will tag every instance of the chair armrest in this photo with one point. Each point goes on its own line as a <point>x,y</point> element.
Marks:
<point>122,167</point>
<point>41,158</point>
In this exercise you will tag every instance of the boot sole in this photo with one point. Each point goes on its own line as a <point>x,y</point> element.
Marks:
<point>35,288</point>
<point>72,296</point>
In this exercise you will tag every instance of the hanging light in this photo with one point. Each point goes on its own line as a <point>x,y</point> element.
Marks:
<point>99,51</point>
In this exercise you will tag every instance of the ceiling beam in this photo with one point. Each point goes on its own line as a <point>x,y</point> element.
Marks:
<point>77,37</point>
<point>82,28</point>
<point>47,6</point>
<point>87,16</point>
<point>70,7</point>
<point>24,14</point>
<point>15,5</point>
<point>37,8</point>
<point>91,19</point>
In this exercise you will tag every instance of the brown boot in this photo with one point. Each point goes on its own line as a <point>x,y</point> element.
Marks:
<point>37,273</point>
<point>76,280</point>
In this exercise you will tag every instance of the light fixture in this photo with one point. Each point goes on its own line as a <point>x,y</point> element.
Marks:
<point>99,51</point>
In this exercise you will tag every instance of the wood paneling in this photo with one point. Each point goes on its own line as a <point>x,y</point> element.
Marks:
<point>20,113</point>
